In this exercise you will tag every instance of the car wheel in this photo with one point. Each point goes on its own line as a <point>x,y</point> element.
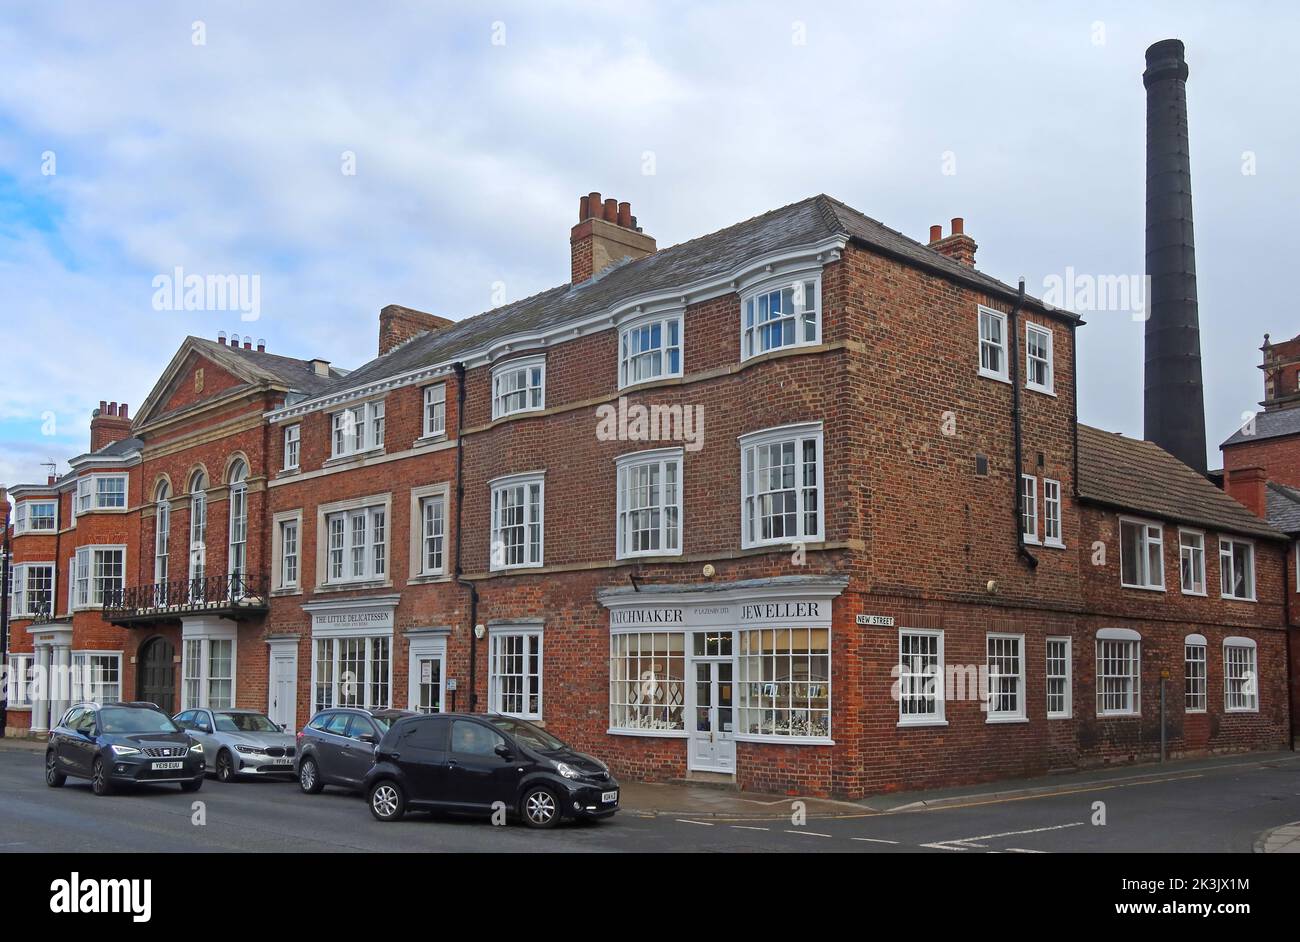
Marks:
<point>53,777</point>
<point>540,808</point>
<point>225,767</point>
<point>387,803</point>
<point>309,776</point>
<point>193,785</point>
<point>99,783</point>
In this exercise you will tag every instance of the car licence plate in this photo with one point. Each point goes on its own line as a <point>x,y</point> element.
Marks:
<point>609,797</point>
<point>162,766</point>
<point>284,762</point>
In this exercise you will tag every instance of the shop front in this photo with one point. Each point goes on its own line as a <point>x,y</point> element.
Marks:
<point>717,665</point>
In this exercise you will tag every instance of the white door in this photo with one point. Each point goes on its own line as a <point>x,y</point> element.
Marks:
<point>713,737</point>
<point>428,684</point>
<point>284,690</point>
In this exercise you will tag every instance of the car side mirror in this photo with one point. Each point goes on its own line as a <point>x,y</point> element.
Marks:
<point>504,752</point>
<point>370,738</point>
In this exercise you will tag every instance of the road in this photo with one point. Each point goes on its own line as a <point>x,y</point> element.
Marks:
<point>1220,809</point>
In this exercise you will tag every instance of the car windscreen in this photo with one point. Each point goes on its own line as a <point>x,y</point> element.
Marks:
<point>244,723</point>
<point>382,723</point>
<point>528,734</point>
<point>135,720</point>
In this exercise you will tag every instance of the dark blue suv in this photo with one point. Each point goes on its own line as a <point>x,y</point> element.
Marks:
<point>121,744</point>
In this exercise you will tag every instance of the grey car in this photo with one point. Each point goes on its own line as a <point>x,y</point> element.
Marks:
<point>239,742</point>
<point>338,746</point>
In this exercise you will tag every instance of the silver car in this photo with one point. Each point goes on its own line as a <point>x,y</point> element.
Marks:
<point>239,742</point>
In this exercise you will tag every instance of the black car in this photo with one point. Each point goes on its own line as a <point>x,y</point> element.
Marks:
<point>475,763</point>
<point>338,746</point>
<point>121,744</point>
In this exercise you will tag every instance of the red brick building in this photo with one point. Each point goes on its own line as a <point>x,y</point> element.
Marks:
<point>801,503</point>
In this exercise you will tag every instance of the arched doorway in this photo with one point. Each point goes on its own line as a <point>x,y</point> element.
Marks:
<point>156,674</point>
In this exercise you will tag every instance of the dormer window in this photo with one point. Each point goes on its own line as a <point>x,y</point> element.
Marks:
<point>35,516</point>
<point>782,315</point>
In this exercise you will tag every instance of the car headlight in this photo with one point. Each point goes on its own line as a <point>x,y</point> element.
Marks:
<point>250,750</point>
<point>125,750</point>
<point>567,771</point>
<point>196,747</point>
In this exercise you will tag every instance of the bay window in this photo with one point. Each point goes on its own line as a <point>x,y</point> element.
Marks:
<point>518,511</point>
<point>781,485</point>
<point>779,317</point>
<point>97,675</point>
<point>101,492</point>
<point>785,687</point>
<point>97,572</point>
<point>208,673</point>
<point>519,386</point>
<point>1141,552</point>
<point>19,680</point>
<point>650,349</point>
<point>650,503</point>
<point>31,589</point>
<point>515,673</point>
<point>647,681</point>
<point>1237,569</point>
<point>1240,680</point>
<point>35,516</point>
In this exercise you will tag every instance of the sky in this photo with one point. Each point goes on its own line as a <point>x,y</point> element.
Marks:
<point>350,156</point>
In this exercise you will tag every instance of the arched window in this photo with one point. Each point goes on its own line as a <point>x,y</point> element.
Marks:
<point>162,538</point>
<point>237,559</point>
<point>198,534</point>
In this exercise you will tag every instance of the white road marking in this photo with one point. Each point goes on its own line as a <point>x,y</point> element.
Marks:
<point>873,840</point>
<point>965,843</point>
<point>743,827</point>
<point>945,847</point>
<point>1024,850</point>
<point>703,824</point>
<point>809,833</point>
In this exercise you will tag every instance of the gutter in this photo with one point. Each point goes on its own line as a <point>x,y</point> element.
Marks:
<point>459,369</point>
<point>1014,370</point>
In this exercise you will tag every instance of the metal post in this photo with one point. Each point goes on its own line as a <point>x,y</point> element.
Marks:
<point>1163,676</point>
<point>4,613</point>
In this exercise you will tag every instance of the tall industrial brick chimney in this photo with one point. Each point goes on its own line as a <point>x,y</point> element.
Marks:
<point>1174,399</point>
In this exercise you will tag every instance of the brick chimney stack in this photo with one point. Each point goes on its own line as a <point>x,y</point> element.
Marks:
<point>958,246</point>
<point>399,324</point>
<point>606,234</point>
<point>109,423</point>
<point>1248,487</point>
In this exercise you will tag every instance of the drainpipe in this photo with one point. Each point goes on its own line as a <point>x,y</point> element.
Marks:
<point>1074,399</point>
<point>1290,629</point>
<point>4,612</point>
<point>460,503</point>
<point>1014,364</point>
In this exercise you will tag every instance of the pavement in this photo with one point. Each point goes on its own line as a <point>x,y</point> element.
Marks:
<point>1230,804</point>
<point>1283,840</point>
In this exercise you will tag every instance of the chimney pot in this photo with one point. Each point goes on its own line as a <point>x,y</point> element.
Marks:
<point>103,407</point>
<point>584,203</point>
<point>593,204</point>
<point>958,225</point>
<point>936,233</point>
<point>49,479</point>
<point>221,337</point>
<point>121,411</point>
<point>625,215</point>
<point>261,345</point>
<point>611,210</point>
<point>112,408</point>
<point>248,344</point>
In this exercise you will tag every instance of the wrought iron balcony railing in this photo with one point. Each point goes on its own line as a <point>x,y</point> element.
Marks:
<point>232,595</point>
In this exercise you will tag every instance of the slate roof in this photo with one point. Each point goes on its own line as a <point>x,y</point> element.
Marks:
<point>1283,507</point>
<point>807,222</point>
<point>1273,424</point>
<point>288,371</point>
<point>1143,478</point>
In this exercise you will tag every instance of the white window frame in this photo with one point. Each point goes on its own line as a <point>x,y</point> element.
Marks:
<point>534,516</point>
<point>1145,559</point>
<point>23,517</point>
<point>750,500</point>
<point>422,499</point>
<point>365,685</point>
<point>908,678</point>
<point>1131,642</point>
<point>365,521</point>
<point>666,323</point>
<point>293,446</point>
<point>18,684</point>
<point>1052,499</point>
<point>1249,678</point>
<point>435,410</point>
<point>1196,690</point>
<point>987,314</point>
<point>1192,550</point>
<point>1018,713</point>
<point>751,327</point>
<point>761,694</point>
<point>237,527</point>
<point>90,497</point>
<point>82,688</point>
<point>1066,677</point>
<point>279,524</point>
<point>510,368</point>
<point>83,572</point>
<point>532,647</point>
<point>205,678</point>
<point>357,429</point>
<point>669,509</point>
<point>1029,508</point>
<point>162,539</point>
<point>20,575</point>
<point>644,703</point>
<point>1032,329</point>
<point>1227,566</point>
